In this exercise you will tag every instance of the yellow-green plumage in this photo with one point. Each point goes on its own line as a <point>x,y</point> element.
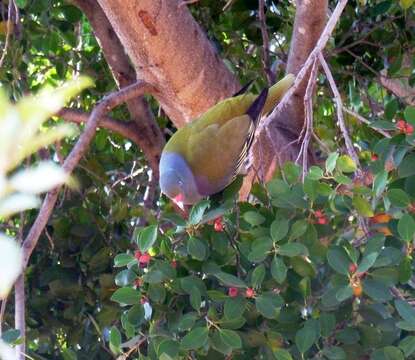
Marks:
<point>211,144</point>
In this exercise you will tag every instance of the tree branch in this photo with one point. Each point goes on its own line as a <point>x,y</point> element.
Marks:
<point>106,104</point>
<point>127,129</point>
<point>265,43</point>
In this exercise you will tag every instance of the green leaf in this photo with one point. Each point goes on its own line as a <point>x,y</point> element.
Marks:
<point>278,269</point>
<point>334,353</point>
<point>344,293</point>
<point>292,249</point>
<point>346,164</point>
<point>268,303</point>
<point>136,315</point>
<point>197,212</point>
<point>282,354</point>
<point>362,206</point>
<point>327,323</point>
<point>338,260</point>
<point>196,248</point>
<point>376,290</point>
<point>126,296</point>
<point>279,229</point>
<point>307,336</point>
<point>187,321</point>
<point>195,298</point>
<point>258,276</point>
<point>387,353</point>
<point>168,347</point>
<point>331,162</point>
<point>230,338</point>
<point>315,173</point>
<point>398,198</point>
<point>195,339</point>
<point>21,3</point>
<point>409,113</point>
<point>367,262</point>
<point>234,307</point>
<point>407,345</point>
<point>147,237</point>
<point>298,229</point>
<point>406,227</point>
<point>253,218</point>
<point>407,166</point>
<point>219,345</point>
<point>292,172</point>
<point>406,311</point>
<point>115,340</point>
<point>379,183</point>
<point>10,336</point>
<point>123,260</point>
<point>230,280</point>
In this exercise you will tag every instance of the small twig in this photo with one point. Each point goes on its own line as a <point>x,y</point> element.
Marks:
<point>106,104</point>
<point>20,315</point>
<point>126,129</point>
<point>8,31</point>
<point>339,107</point>
<point>325,36</point>
<point>365,121</point>
<point>265,43</point>
<point>187,2</point>
<point>308,106</point>
<point>2,312</point>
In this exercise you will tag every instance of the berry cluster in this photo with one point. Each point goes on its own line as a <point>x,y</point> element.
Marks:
<point>321,218</point>
<point>404,127</point>
<point>233,292</point>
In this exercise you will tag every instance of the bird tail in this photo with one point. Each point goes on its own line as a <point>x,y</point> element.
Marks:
<point>277,91</point>
<point>255,110</point>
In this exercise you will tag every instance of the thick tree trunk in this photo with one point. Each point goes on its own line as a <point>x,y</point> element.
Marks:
<point>149,136</point>
<point>169,50</point>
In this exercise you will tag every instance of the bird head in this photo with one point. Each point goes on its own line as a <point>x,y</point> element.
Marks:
<point>177,180</point>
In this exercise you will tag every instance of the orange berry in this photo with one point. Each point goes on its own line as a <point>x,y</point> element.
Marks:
<point>380,218</point>
<point>357,290</point>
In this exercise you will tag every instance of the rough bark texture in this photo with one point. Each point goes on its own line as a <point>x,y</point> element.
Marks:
<point>169,50</point>
<point>149,136</point>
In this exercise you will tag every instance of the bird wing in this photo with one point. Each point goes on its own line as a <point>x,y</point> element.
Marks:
<point>216,153</point>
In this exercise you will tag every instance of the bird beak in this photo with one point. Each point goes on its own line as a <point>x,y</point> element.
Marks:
<point>178,200</point>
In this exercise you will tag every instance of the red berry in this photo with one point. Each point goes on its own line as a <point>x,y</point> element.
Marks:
<point>352,268</point>
<point>319,213</point>
<point>249,293</point>
<point>173,264</point>
<point>401,124</point>
<point>322,220</point>
<point>409,129</point>
<point>218,225</point>
<point>137,254</point>
<point>144,258</point>
<point>374,157</point>
<point>233,292</point>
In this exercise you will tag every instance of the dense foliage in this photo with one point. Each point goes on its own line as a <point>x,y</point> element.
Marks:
<point>292,273</point>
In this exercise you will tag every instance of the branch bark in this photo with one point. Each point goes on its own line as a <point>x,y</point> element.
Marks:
<point>148,134</point>
<point>105,105</point>
<point>128,129</point>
